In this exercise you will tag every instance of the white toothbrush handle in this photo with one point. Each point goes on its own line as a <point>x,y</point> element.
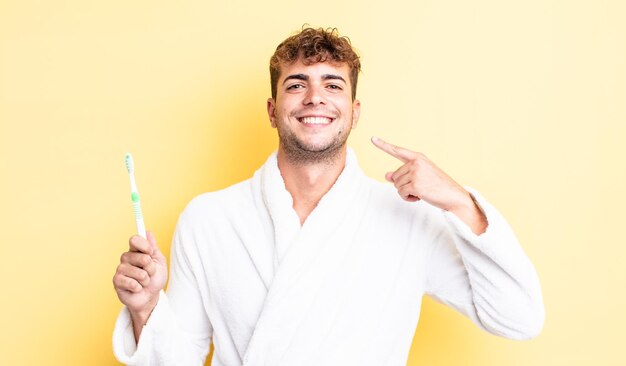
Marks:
<point>141,228</point>
<point>134,195</point>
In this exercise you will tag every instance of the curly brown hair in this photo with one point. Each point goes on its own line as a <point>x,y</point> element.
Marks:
<point>312,46</point>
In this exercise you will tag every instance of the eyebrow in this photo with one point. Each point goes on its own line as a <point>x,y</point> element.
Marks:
<point>332,77</point>
<point>306,77</point>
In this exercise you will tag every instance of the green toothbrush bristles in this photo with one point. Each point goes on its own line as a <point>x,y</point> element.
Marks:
<point>134,196</point>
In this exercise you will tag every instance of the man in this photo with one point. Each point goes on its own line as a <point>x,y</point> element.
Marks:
<point>309,262</point>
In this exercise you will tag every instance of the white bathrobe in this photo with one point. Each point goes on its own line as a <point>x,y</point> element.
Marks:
<point>343,289</point>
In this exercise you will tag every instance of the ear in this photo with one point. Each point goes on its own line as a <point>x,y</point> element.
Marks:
<point>356,112</point>
<point>271,111</point>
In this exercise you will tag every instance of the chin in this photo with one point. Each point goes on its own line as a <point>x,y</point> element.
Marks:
<point>301,153</point>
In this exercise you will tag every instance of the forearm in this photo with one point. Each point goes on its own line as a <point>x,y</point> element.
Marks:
<point>160,336</point>
<point>503,285</point>
<point>138,324</point>
<point>140,318</point>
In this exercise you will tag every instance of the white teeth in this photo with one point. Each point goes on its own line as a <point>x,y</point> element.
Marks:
<point>316,120</point>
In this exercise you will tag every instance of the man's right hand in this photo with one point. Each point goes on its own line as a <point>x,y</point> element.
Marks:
<point>141,274</point>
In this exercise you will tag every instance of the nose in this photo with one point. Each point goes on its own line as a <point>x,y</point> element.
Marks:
<point>314,96</point>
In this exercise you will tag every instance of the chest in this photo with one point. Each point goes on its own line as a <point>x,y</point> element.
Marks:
<point>367,253</point>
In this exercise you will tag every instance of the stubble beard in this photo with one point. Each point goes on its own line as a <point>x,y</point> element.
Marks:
<point>301,153</point>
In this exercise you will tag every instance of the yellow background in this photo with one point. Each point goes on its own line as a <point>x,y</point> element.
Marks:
<point>523,100</point>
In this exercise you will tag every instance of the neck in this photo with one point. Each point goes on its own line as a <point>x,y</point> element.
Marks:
<point>308,183</point>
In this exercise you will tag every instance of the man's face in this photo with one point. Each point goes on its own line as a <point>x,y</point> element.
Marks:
<point>313,110</point>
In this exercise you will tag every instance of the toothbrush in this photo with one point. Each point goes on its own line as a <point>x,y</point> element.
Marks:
<point>134,195</point>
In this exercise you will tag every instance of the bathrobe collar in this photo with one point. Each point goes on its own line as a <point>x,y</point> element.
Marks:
<point>303,254</point>
<point>323,219</point>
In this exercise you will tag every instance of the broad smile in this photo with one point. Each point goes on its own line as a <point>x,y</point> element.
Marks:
<point>316,120</point>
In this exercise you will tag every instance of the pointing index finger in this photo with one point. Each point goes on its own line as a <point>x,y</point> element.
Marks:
<point>396,151</point>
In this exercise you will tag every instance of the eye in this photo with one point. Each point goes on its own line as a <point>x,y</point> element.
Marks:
<point>295,86</point>
<point>335,87</point>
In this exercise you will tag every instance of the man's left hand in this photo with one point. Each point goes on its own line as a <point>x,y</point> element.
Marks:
<point>420,179</point>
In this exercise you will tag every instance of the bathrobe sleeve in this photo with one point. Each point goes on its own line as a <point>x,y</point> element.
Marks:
<point>178,331</point>
<point>487,277</point>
